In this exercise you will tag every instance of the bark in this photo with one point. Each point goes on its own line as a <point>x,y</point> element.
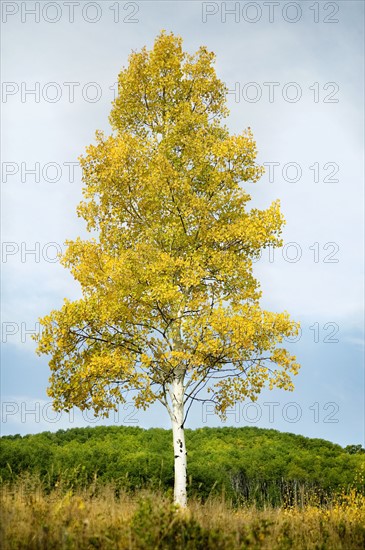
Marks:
<point>177,419</point>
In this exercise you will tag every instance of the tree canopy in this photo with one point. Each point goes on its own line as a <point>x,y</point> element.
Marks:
<point>167,282</point>
<point>170,303</point>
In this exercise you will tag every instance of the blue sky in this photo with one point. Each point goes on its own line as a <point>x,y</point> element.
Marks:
<point>295,72</point>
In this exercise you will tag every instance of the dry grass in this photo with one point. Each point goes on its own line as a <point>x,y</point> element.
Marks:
<point>97,518</point>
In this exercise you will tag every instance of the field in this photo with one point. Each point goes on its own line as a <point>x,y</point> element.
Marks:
<point>111,488</point>
<point>33,519</point>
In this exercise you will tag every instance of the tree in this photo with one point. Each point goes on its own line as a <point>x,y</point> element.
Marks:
<point>169,302</point>
<point>354,449</point>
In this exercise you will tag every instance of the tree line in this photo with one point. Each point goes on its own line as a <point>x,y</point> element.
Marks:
<point>247,464</point>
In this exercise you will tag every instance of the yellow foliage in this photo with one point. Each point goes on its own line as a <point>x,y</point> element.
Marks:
<point>168,284</point>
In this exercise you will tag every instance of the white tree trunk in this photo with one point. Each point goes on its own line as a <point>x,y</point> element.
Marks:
<point>177,419</point>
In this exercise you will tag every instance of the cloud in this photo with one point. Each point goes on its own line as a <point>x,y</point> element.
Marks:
<point>322,136</point>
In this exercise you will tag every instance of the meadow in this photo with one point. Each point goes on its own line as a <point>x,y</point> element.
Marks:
<point>67,494</point>
<point>33,519</point>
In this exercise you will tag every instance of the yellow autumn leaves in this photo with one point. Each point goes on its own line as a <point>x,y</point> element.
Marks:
<point>167,280</point>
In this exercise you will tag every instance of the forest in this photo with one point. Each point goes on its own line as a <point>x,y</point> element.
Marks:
<point>112,488</point>
<point>248,464</point>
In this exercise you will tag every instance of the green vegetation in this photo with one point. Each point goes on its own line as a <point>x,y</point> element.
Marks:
<point>246,465</point>
<point>86,519</point>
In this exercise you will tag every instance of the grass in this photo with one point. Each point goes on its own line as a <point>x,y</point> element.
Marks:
<point>101,517</point>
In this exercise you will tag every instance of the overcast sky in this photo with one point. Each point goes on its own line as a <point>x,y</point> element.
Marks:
<point>295,73</point>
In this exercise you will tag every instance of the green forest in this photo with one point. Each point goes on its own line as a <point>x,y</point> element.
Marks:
<point>245,464</point>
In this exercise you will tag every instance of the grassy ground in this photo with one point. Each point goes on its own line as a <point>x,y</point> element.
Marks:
<point>97,518</point>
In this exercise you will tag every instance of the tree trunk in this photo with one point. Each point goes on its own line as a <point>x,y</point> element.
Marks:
<point>177,419</point>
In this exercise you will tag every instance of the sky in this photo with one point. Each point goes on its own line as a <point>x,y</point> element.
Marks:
<point>295,74</point>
